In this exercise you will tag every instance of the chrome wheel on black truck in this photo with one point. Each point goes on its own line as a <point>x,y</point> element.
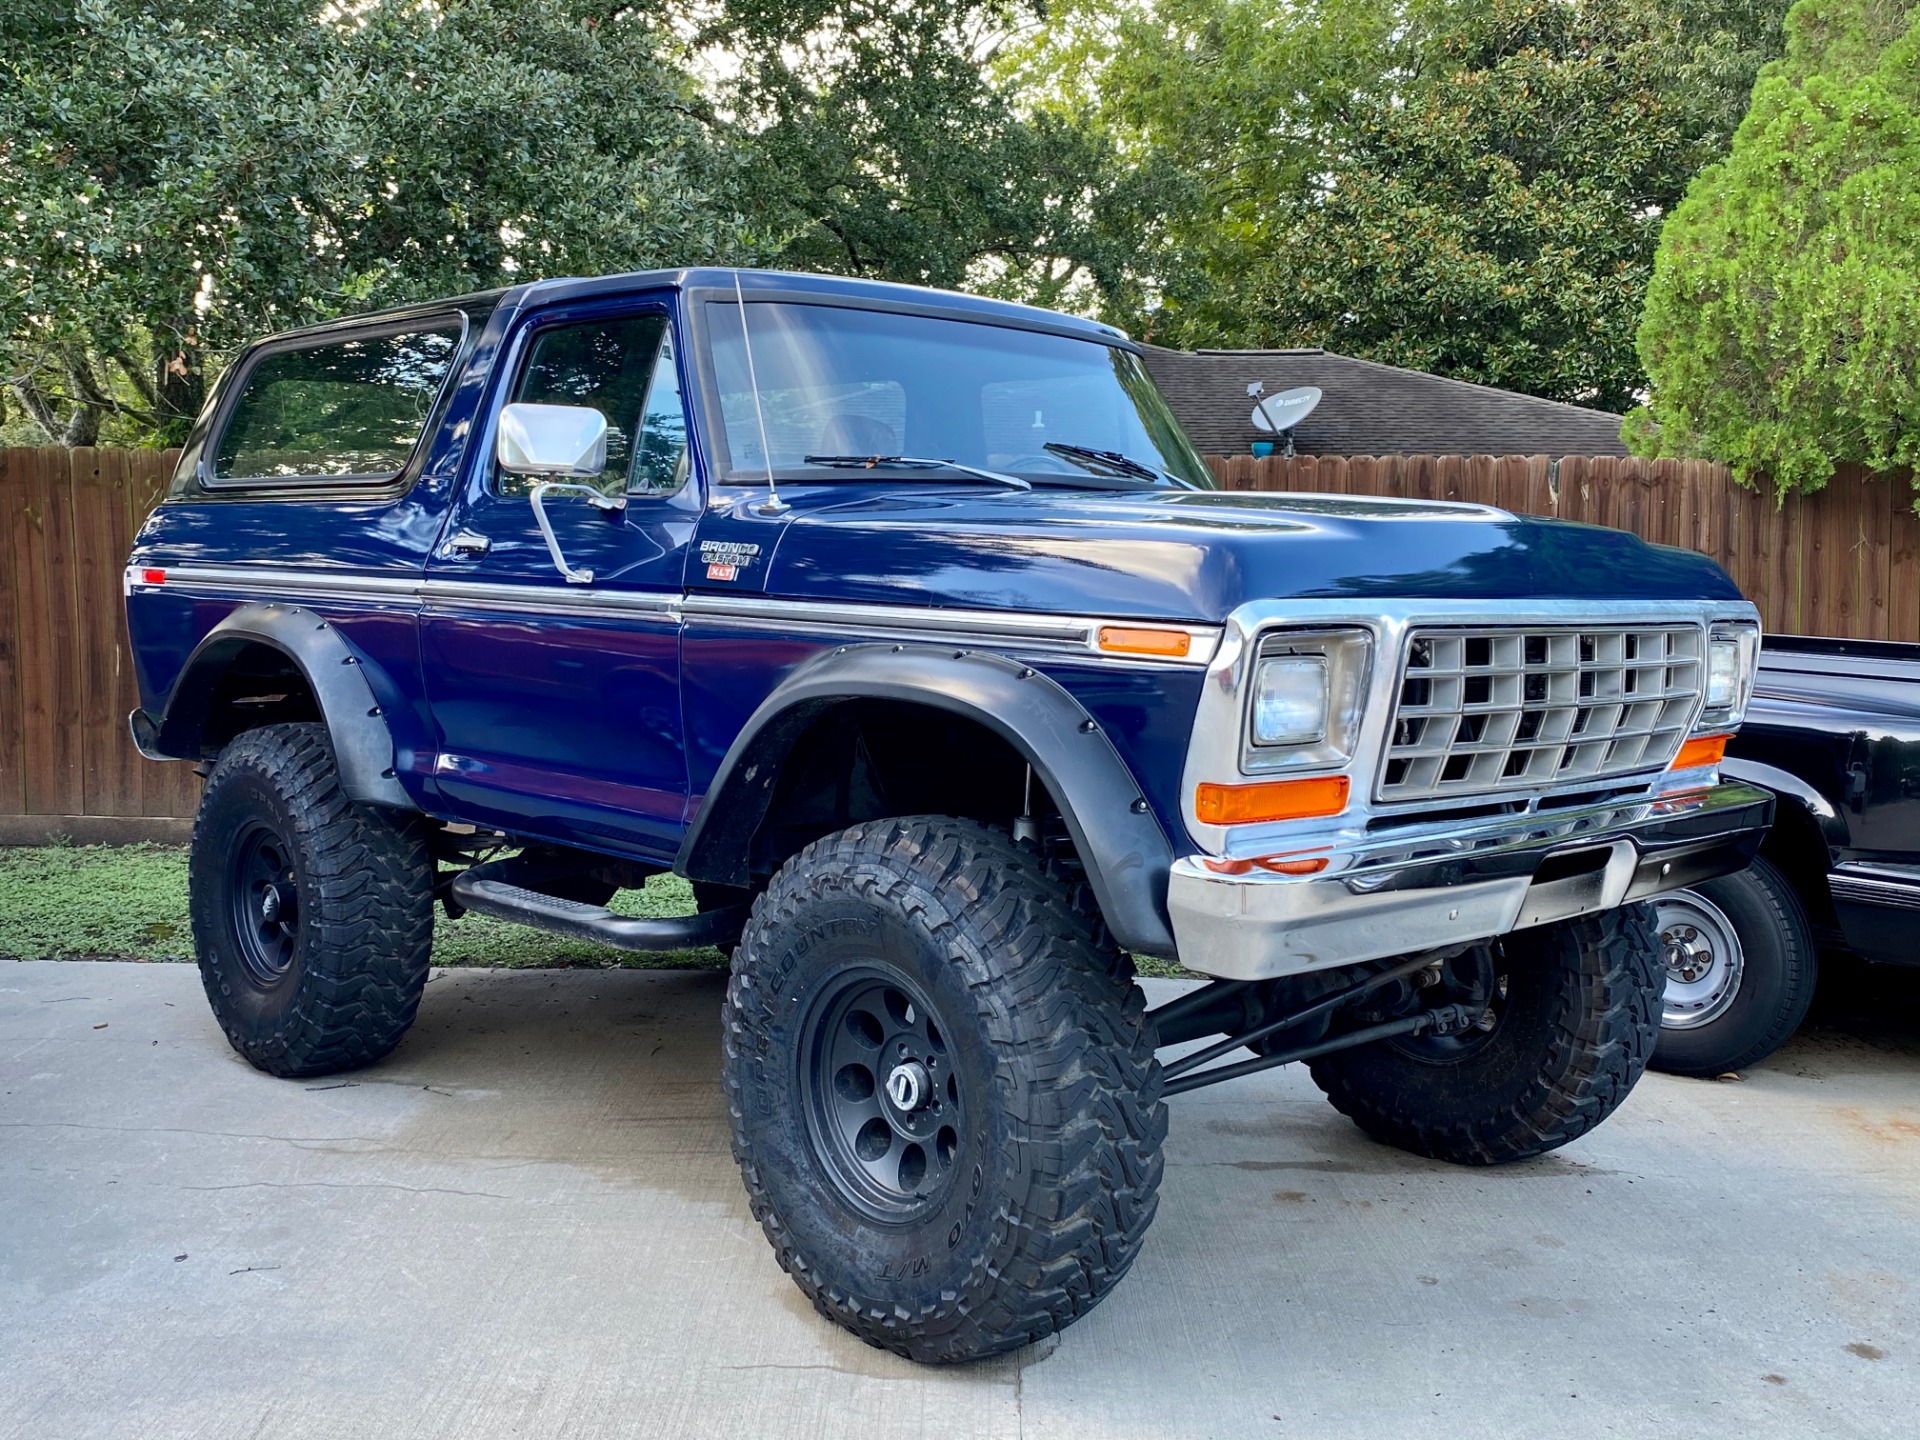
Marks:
<point>312,916</point>
<point>1741,964</point>
<point>942,1088</point>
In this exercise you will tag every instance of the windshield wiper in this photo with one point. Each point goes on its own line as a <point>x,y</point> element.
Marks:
<point>870,462</point>
<point>1115,462</point>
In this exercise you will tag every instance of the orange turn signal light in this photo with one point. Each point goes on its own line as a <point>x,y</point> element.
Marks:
<point>1126,640</point>
<point>1700,752</point>
<point>1306,799</point>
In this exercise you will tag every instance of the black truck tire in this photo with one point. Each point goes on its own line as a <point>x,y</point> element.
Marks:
<point>1576,1019</point>
<point>941,1082</point>
<point>312,916</point>
<point>1741,970</point>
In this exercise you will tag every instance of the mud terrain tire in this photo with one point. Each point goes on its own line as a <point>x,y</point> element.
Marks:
<point>1008,1204</point>
<point>312,916</point>
<point>1574,1032</point>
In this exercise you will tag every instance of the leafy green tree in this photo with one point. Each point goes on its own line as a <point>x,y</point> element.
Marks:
<point>179,175</point>
<point>878,141</point>
<point>1473,187</point>
<point>1782,327</point>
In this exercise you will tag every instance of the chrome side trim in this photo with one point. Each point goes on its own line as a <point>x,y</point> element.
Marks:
<point>1027,630</point>
<point>1073,633</point>
<point>1865,883</point>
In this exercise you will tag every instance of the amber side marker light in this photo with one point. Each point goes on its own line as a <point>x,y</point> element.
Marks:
<point>1701,751</point>
<point>1272,800</point>
<point>1122,640</point>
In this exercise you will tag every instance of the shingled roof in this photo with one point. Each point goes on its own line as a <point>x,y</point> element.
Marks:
<point>1370,409</point>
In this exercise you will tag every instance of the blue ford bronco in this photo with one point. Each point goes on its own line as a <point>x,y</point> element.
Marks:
<point>911,629</point>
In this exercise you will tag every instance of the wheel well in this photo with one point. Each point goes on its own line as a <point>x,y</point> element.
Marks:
<point>869,759</point>
<point>259,685</point>
<point>1796,848</point>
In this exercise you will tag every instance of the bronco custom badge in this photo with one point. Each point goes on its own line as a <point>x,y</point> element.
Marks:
<point>724,559</point>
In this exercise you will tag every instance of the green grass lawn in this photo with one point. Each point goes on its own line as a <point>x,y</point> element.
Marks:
<point>105,902</point>
<point>129,902</point>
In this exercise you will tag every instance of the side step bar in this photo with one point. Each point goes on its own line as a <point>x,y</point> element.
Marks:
<point>482,890</point>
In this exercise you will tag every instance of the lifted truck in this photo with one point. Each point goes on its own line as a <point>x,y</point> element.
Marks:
<point>912,630</point>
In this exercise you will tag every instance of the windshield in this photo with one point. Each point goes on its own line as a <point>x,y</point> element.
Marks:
<point>839,385</point>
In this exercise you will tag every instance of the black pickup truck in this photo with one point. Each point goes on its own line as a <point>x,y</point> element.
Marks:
<point>1834,732</point>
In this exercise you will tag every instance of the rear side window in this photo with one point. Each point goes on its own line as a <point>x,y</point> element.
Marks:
<point>348,410</point>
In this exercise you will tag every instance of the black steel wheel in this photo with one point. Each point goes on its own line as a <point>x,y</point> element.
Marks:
<point>1478,980</point>
<point>264,890</point>
<point>884,1104</point>
<point>312,916</point>
<point>942,1088</point>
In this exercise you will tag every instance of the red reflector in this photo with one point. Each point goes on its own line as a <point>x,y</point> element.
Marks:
<point>153,577</point>
<point>1279,865</point>
<point>1312,866</point>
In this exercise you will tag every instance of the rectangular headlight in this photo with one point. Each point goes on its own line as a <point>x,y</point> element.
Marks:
<point>1290,700</point>
<point>1305,698</point>
<point>1733,654</point>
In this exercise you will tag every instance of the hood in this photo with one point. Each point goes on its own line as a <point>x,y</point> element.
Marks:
<point>1183,555</point>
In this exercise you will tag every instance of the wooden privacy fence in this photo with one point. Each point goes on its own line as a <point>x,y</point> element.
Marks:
<point>1843,562</point>
<point>67,765</point>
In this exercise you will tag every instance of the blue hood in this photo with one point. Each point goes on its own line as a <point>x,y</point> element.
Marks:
<point>1179,555</point>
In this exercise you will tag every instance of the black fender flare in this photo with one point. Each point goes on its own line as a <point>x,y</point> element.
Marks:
<point>1114,829</point>
<point>1790,791</point>
<point>362,744</point>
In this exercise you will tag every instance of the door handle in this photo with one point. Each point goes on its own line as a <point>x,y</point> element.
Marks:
<point>469,542</point>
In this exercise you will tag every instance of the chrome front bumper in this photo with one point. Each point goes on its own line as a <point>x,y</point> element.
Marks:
<point>1414,890</point>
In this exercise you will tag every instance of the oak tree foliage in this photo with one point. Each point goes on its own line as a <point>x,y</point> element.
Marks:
<point>1472,187</point>
<point>178,176</point>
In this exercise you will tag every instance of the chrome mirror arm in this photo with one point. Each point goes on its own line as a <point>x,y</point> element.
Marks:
<point>538,494</point>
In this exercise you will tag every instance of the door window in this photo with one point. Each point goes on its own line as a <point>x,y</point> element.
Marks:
<point>624,368</point>
<point>660,457</point>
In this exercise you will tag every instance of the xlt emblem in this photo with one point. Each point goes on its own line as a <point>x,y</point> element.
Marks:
<point>725,559</point>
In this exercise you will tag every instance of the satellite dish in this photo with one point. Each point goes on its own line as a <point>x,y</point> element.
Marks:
<point>1280,413</point>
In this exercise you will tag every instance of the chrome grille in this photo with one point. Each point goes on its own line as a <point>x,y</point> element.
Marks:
<point>1488,711</point>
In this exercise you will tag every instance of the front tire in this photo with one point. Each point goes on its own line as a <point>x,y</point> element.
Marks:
<point>1576,1014</point>
<point>312,916</point>
<point>1741,968</point>
<point>942,1088</point>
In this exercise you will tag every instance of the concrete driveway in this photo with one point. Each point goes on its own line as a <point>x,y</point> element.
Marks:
<point>526,1223</point>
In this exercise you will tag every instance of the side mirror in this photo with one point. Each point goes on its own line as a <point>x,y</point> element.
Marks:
<point>552,440</point>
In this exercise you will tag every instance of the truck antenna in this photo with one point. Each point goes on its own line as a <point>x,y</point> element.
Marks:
<point>773,504</point>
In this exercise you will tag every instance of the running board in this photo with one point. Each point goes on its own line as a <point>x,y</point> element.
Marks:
<point>479,889</point>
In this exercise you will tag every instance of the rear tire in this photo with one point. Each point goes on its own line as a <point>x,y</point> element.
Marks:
<point>942,1088</point>
<point>312,916</point>
<point>1574,1030</point>
<point>1741,969</point>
